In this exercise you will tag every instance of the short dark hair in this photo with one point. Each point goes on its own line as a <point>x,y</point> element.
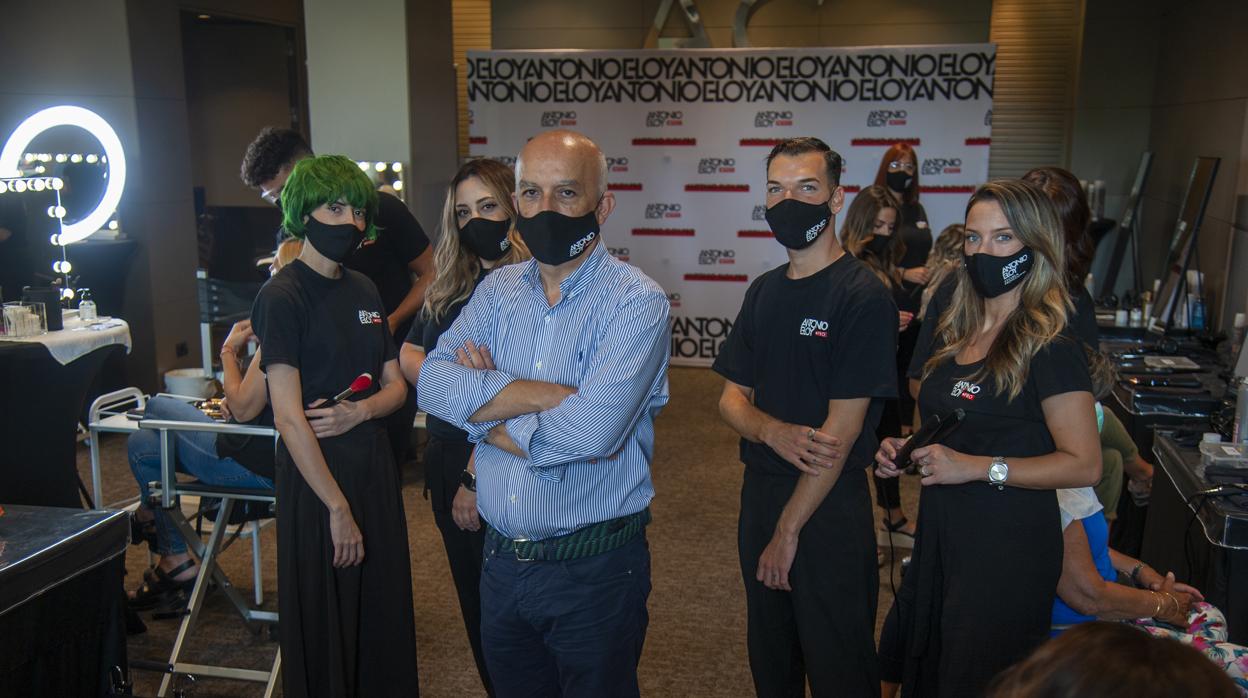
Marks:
<point>810,144</point>
<point>272,150</point>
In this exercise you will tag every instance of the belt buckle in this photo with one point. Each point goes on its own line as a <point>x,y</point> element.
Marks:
<point>515,548</point>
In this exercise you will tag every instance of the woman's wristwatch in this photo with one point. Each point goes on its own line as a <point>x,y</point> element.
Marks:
<point>468,479</point>
<point>998,472</point>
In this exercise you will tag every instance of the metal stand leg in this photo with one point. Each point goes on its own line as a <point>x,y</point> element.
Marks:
<point>96,489</point>
<point>257,582</point>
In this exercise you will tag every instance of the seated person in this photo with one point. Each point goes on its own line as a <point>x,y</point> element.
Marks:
<point>1110,660</point>
<point>1158,605</point>
<point>1119,456</point>
<point>235,461</point>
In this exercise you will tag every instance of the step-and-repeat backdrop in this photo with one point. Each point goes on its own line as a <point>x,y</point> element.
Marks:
<point>686,133</point>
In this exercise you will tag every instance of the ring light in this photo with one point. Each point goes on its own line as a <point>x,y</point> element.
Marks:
<point>90,122</point>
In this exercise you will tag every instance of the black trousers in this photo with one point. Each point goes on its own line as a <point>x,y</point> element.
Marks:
<point>824,629</point>
<point>444,461</point>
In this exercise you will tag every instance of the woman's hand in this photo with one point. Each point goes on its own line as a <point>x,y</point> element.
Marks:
<point>239,335</point>
<point>884,466</point>
<point>1175,602</point>
<point>904,319</point>
<point>336,420</point>
<point>464,510</point>
<point>940,465</point>
<point>807,449</point>
<point>917,275</point>
<point>348,541</point>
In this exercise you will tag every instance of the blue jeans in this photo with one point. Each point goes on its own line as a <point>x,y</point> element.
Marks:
<point>571,628</point>
<point>196,453</point>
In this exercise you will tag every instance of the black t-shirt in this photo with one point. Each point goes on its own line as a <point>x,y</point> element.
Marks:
<point>332,330</point>
<point>802,342</point>
<point>254,453</point>
<point>915,233</point>
<point>994,426</point>
<point>1081,324</point>
<point>384,260</point>
<point>425,333</point>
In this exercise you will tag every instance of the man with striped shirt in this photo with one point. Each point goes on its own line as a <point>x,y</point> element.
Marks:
<point>557,368</point>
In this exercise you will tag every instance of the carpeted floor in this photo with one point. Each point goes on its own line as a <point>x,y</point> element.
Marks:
<point>696,642</point>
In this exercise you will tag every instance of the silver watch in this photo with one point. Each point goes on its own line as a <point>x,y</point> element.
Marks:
<point>998,472</point>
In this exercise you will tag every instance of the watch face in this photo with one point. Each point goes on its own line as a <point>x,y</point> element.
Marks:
<point>997,472</point>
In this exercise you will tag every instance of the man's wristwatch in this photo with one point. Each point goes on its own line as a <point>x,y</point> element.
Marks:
<point>468,479</point>
<point>998,472</point>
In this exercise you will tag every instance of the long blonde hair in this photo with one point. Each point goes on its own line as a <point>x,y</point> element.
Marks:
<point>458,267</point>
<point>1043,304</point>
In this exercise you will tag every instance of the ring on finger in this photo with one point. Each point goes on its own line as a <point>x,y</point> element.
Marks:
<point>924,471</point>
<point>810,434</point>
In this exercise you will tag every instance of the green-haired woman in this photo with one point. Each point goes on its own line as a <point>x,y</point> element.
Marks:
<point>344,577</point>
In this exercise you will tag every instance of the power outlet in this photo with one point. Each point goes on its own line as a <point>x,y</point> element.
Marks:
<point>181,349</point>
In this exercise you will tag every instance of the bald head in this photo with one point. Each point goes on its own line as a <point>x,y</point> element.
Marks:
<point>562,171</point>
<point>569,152</point>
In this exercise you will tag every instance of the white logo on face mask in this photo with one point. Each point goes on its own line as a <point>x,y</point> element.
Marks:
<point>813,328</point>
<point>370,317</point>
<point>504,244</point>
<point>1010,273</point>
<point>816,229</point>
<point>965,389</point>
<point>579,246</point>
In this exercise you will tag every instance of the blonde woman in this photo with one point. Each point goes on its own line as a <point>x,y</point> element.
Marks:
<point>979,592</point>
<point>944,259</point>
<point>478,234</point>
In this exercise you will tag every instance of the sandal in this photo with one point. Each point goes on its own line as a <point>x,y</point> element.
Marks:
<point>161,587</point>
<point>143,532</point>
<point>893,533</point>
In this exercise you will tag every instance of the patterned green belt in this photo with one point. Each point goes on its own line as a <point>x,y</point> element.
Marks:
<point>590,540</point>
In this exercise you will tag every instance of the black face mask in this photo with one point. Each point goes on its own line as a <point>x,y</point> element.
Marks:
<point>992,276</point>
<point>486,238</point>
<point>878,246</point>
<point>899,181</point>
<point>335,242</point>
<point>798,224</point>
<point>554,238</point>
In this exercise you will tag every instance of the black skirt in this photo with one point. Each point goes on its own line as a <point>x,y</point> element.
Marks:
<point>979,593</point>
<point>345,631</point>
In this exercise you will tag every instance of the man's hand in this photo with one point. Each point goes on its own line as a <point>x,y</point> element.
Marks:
<point>464,510</point>
<point>884,465</point>
<point>336,420</point>
<point>775,562</point>
<point>809,450</point>
<point>472,356</point>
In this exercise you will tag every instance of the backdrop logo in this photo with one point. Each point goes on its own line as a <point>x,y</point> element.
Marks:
<point>508,160</point>
<point>939,166</point>
<point>717,257</point>
<point>717,165</point>
<point>988,118</point>
<point>659,119</point>
<point>698,337</point>
<point>472,118</point>
<point>673,299</point>
<point>662,211</point>
<point>620,253</point>
<point>767,119</point>
<point>617,164</point>
<point>552,119</point>
<point>759,214</point>
<point>887,117</point>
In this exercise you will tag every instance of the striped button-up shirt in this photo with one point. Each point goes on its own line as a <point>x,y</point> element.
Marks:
<point>589,458</point>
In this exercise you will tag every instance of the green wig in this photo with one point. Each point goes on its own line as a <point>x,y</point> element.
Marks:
<point>324,179</point>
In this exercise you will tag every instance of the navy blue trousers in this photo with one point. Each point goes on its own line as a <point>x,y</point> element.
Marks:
<point>573,628</point>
